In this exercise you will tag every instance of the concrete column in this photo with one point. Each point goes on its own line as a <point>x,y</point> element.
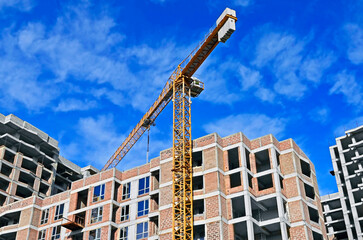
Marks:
<point>279,200</point>
<point>36,185</point>
<point>248,210</point>
<point>2,152</point>
<point>39,171</point>
<point>18,160</point>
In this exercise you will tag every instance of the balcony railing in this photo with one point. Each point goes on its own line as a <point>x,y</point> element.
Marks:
<point>76,224</point>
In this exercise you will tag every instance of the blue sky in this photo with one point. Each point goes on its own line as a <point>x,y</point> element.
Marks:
<point>86,71</point>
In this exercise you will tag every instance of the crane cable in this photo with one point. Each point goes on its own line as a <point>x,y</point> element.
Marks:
<point>148,143</point>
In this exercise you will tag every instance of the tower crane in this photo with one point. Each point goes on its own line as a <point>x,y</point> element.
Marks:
<point>179,88</point>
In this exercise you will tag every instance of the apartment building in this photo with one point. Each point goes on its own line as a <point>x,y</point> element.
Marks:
<point>30,163</point>
<point>344,210</point>
<point>243,189</point>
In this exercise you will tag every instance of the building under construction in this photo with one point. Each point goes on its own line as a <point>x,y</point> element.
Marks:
<point>344,210</point>
<point>242,189</point>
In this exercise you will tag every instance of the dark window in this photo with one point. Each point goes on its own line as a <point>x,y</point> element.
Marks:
<point>95,234</point>
<point>41,235</point>
<point>126,191</point>
<point>262,161</point>
<point>265,182</point>
<point>198,183</point>
<point>248,159</point>
<point>235,179</point>
<point>124,232</point>
<point>305,168</point>
<point>125,211</point>
<point>56,233</point>
<point>198,207</point>
<point>59,212</point>
<point>197,159</point>
<point>309,191</point>
<point>96,214</point>
<point>45,215</point>
<point>233,158</point>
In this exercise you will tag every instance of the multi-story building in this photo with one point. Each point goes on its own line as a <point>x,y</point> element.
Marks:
<point>243,189</point>
<point>30,163</point>
<point>344,210</point>
<point>334,218</point>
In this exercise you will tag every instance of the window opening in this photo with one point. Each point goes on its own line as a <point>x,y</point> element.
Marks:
<point>144,185</point>
<point>142,208</point>
<point>99,193</point>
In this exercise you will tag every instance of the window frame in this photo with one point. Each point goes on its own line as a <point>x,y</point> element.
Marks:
<point>145,184</point>
<point>59,211</point>
<point>125,213</point>
<point>97,234</point>
<point>125,232</point>
<point>126,189</point>
<point>143,234</point>
<point>55,234</point>
<point>99,215</point>
<point>145,208</point>
<point>101,195</point>
<point>45,216</point>
<point>42,234</point>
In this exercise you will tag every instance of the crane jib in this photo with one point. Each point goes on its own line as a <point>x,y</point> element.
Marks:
<point>186,68</point>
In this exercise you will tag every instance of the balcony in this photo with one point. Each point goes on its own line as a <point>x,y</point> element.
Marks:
<point>76,224</point>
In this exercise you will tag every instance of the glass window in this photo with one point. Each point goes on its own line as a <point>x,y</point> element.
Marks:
<point>144,185</point>
<point>124,232</point>
<point>96,214</point>
<point>41,235</point>
<point>142,230</point>
<point>126,191</point>
<point>45,215</point>
<point>59,212</point>
<point>99,193</point>
<point>95,234</point>
<point>142,208</point>
<point>125,213</point>
<point>56,233</point>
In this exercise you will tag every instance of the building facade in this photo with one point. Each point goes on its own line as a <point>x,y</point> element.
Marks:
<point>30,163</point>
<point>243,189</point>
<point>344,210</point>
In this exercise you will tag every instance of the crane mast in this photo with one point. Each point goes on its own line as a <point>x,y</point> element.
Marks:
<point>180,88</point>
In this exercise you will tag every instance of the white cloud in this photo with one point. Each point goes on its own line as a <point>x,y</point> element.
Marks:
<point>320,114</point>
<point>346,84</point>
<point>19,84</point>
<point>22,5</point>
<point>83,47</point>
<point>219,88</point>
<point>355,43</point>
<point>242,3</point>
<point>72,104</point>
<point>313,68</point>
<point>252,125</point>
<point>285,56</point>
<point>251,79</point>
<point>97,138</point>
<point>265,94</point>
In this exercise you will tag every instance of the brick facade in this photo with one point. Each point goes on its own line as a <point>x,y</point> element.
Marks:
<point>245,189</point>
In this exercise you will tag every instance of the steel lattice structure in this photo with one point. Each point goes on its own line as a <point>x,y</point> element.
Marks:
<point>182,161</point>
<point>180,87</point>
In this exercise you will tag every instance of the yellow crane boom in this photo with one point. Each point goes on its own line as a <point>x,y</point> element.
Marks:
<point>180,87</point>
